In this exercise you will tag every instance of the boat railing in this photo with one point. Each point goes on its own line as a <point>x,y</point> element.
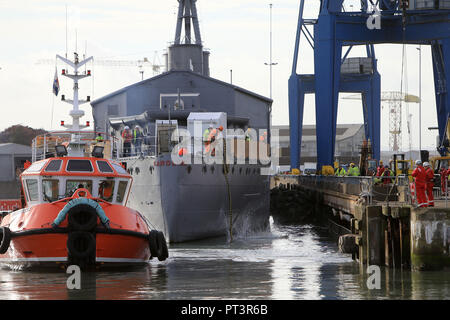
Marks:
<point>237,150</point>
<point>43,146</point>
<point>144,146</point>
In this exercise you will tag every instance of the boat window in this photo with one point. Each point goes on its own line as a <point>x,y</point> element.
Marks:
<point>73,185</point>
<point>32,188</point>
<point>50,189</point>
<point>119,168</point>
<point>79,166</point>
<point>121,191</point>
<point>53,166</point>
<point>103,166</point>
<point>36,167</point>
<point>106,190</point>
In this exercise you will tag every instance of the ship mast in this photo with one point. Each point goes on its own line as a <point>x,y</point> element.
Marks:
<point>187,54</point>
<point>76,145</point>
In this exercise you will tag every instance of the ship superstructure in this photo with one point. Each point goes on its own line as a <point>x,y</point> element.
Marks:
<point>189,200</point>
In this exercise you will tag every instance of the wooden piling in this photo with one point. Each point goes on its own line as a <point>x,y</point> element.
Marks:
<point>374,240</point>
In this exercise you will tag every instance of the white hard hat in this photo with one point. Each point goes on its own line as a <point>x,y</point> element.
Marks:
<point>418,162</point>
<point>426,164</point>
<point>127,127</point>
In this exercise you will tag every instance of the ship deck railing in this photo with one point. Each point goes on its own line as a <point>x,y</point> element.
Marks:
<point>43,146</point>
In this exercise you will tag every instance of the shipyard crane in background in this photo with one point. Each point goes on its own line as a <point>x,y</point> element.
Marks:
<point>335,31</point>
<point>140,64</point>
<point>393,100</point>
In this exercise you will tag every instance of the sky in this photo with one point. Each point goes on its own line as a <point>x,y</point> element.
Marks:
<point>237,32</point>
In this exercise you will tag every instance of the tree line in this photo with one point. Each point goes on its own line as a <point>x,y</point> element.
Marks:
<point>20,134</point>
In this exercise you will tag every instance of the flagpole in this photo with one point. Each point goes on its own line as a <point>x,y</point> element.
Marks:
<point>53,104</point>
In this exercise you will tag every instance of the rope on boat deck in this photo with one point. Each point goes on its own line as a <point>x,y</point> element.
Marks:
<point>225,173</point>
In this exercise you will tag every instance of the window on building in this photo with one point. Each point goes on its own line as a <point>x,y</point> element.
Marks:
<point>113,110</point>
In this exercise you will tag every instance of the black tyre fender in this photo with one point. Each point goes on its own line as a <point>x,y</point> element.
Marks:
<point>5,239</point>
<point>80,244</point>
<point>153,243</point>
<point>163,252</point>
<point>82,217</point>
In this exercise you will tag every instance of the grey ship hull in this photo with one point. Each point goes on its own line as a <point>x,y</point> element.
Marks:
<point>191,202</point>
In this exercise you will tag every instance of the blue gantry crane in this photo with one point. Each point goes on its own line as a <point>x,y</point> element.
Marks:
<point>425,22</point>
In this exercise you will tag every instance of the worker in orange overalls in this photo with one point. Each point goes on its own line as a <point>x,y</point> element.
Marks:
<point>387,172</point>
<point>420,176</point>
<point>380,169</point>
<point>213,134</point>
<point>210,139</point>
<point>430,183</point>
<point>263,137</point>
<point>127,137</point>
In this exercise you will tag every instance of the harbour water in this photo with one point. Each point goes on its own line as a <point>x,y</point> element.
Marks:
<point>289,263</point>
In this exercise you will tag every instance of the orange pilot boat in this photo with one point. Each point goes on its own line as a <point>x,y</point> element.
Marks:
<point>75,209</point>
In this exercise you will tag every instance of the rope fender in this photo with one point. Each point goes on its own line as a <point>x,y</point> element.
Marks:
<point>74,202</point>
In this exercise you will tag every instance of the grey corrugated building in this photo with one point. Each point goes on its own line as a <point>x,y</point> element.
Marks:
<point>12,158</point>
<point>197,92</point>
<point>349,138</point>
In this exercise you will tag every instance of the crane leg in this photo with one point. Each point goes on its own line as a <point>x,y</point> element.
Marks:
<point>441,67</point>
<point>296,103</point>
<point>327,63</point>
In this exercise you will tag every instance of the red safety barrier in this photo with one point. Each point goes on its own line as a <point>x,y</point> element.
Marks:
<point>412,188</point>
<point>10,205</point>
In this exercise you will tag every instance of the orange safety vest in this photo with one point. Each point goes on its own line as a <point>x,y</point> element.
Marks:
<point>126,135</point>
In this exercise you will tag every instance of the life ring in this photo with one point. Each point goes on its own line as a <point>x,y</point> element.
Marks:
<point>158,245</point>
<point>5,239</point>
<point>80,245</point>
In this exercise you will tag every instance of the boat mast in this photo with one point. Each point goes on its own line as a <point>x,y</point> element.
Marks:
<point>76,146</point>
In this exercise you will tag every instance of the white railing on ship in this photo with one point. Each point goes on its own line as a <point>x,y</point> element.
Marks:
<point>41,144</point>
<point>147,148</point>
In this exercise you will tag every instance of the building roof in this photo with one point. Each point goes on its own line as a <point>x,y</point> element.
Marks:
<point>14,148</point>
<point>165,74</point>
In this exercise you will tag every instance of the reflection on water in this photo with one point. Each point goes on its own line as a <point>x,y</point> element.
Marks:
<point>291,262</point>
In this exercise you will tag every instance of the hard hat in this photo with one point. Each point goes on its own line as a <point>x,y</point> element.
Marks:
<point>352,164</point>
<point>210,126</point>
<point>127,127</point>
<point>221,128</point>
<point>418,162</point>
<point>381,161</point>
<point>426,164</point>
